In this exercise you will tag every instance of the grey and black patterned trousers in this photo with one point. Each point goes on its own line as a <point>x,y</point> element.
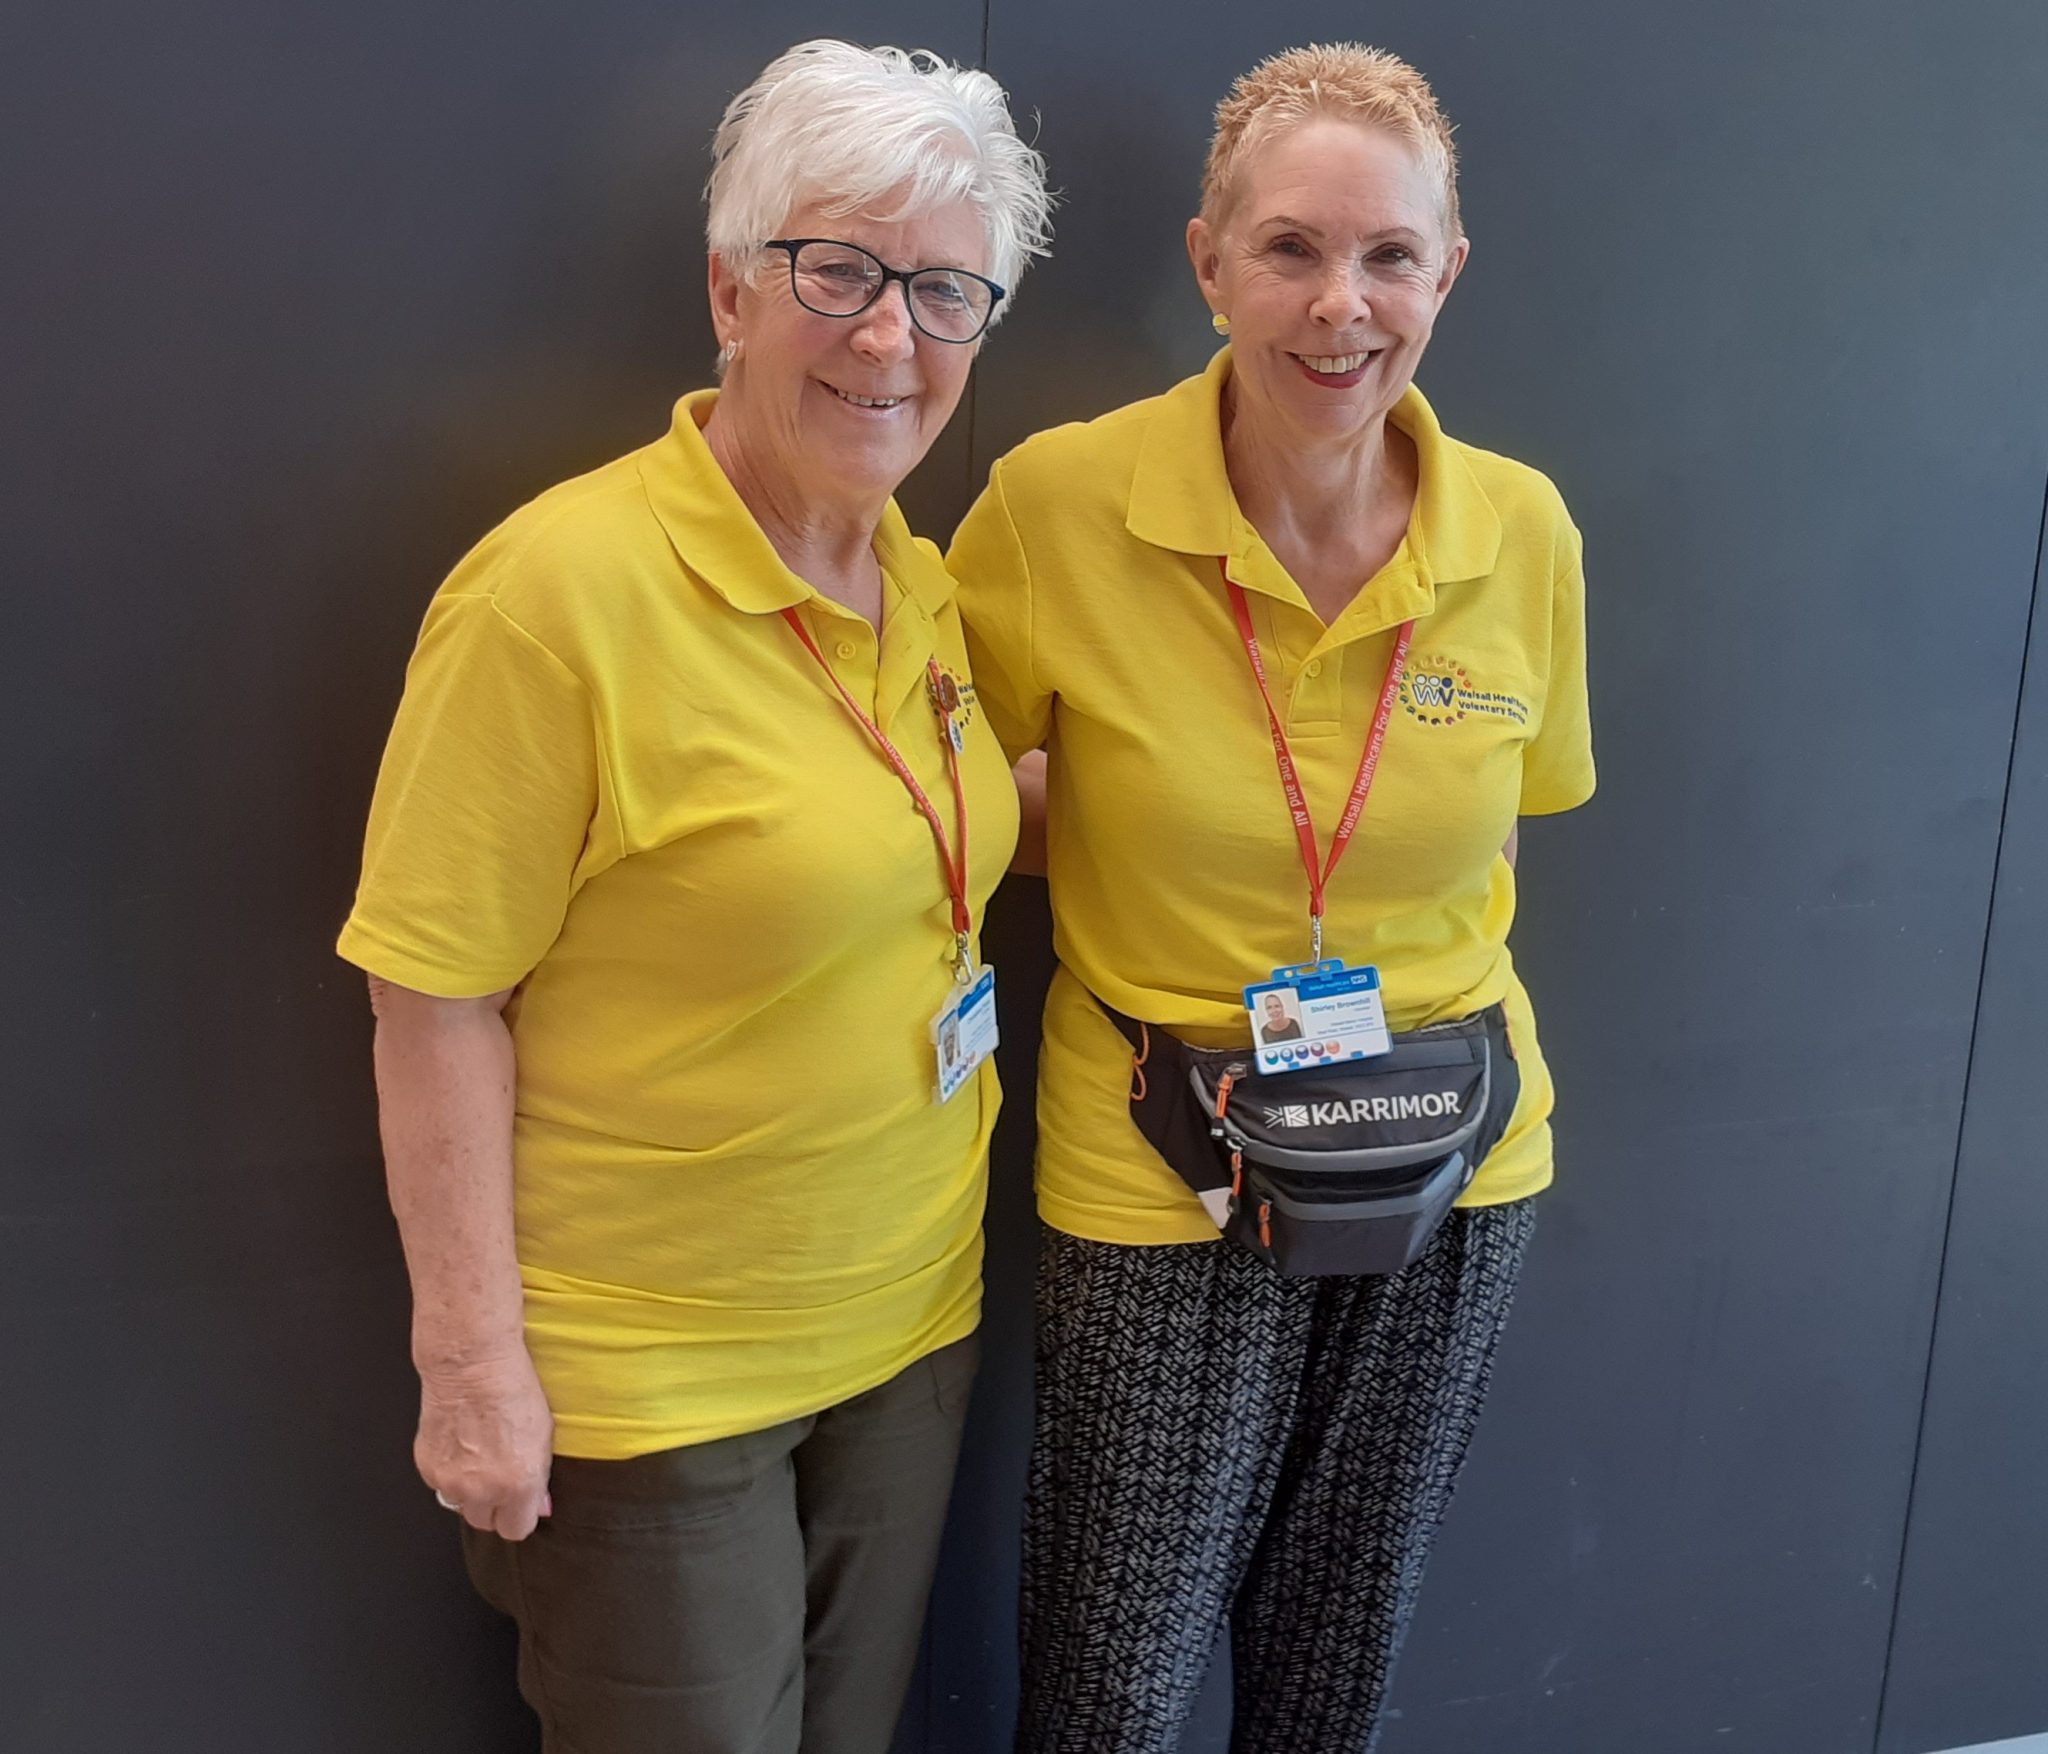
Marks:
<point>1215,1442</point>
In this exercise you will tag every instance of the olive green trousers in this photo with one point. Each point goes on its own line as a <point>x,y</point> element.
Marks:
<point>760,1594</point>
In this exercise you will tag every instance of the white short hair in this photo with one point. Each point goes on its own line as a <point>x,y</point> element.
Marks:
<point>852,127</point>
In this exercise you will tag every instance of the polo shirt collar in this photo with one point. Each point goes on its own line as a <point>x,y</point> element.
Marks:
<point>1455,530</point>
<point>1181,498</point>
<point>718,540</point>
<point>1180,490</point>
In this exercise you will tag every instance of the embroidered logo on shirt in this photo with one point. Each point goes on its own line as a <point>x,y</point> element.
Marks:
<point>1437,690</point>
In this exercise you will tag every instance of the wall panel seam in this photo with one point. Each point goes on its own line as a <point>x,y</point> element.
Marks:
<point>1962,1128</point>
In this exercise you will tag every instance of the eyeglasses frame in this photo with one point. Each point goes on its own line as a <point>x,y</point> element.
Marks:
<point>997,292</point>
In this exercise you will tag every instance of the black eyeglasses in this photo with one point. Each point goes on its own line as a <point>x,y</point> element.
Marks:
<point>842,280</point>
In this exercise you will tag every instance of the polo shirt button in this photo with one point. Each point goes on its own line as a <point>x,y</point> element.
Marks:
<point>1315,666</point>
<point>847,649</point>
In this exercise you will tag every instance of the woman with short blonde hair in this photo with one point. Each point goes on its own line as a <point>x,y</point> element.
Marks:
<point>1297,661</point>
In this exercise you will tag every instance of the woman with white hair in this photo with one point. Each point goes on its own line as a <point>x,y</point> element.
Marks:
<point>670,894</point>
<point>1298,661</point>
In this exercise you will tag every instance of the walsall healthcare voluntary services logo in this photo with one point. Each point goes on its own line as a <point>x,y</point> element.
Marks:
<point>1440,691</point>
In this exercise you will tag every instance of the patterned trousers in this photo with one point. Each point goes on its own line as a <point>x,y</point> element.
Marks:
<point>1218,1444</point>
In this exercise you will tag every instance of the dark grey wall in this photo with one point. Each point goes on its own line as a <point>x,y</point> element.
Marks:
<point>294,302</point>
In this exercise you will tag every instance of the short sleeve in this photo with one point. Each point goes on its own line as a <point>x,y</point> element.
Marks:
<point>1557,763</point>
<point>482,809</point>
<point>987,561</point>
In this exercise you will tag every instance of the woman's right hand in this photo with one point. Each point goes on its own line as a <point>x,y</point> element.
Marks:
<point>486,1440</point>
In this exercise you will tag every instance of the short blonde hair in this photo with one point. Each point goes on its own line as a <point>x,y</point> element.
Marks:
<point>1347,81</point>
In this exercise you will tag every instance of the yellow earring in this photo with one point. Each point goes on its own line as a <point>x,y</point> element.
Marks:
<point>1220,323</point>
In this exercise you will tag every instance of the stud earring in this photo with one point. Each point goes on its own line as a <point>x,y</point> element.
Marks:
<point>1220,323</point>
<point>729,352</point>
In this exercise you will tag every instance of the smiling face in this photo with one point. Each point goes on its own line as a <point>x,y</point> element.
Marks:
<point>841,409</point>
<point>1331,263</point>
<point>1276,1011</point>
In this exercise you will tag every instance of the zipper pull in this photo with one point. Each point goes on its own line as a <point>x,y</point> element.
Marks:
<point>1223,1090</point>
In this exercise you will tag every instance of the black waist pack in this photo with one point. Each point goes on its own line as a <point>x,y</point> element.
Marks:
<point>1349,1169</point>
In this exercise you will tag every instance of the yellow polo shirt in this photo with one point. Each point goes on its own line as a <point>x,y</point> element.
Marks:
<point>618,780</point>
<point>1100,630</point>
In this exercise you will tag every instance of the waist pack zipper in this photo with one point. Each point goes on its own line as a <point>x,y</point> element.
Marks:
<point>1220,1128</point>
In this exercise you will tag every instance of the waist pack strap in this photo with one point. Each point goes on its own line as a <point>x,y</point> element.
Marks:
<point>1141,1035</point>
<point>1166,1110</point>
<point>1134,1032</point>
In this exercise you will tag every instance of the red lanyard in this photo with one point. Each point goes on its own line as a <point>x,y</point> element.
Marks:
<point>956,868</point>
<point>1319,873</point>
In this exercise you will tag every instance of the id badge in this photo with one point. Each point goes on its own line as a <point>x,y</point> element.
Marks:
<point>1317,1014</point>
<point>964,1032</point>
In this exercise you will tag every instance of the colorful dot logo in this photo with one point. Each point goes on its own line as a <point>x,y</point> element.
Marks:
<point>1432,689</point>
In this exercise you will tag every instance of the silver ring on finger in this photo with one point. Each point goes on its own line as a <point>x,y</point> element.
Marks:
<point>447,1503</point>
